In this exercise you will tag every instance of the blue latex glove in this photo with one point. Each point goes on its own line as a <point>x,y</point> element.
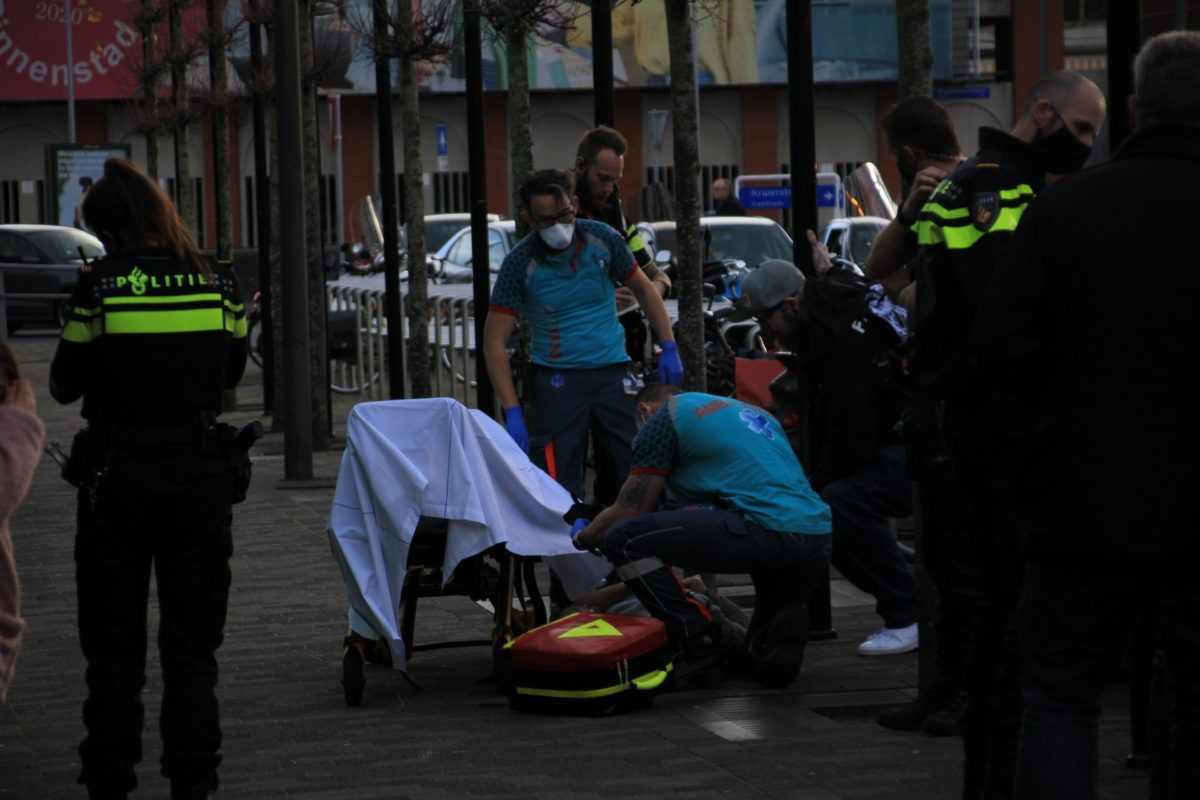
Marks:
<point>576,527</point>
<point>514,423</point>
<point>670,368</point>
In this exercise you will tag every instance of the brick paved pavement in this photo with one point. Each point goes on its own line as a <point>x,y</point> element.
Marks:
<point>288,733</point>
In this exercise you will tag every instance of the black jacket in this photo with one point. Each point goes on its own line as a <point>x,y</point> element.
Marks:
<point>729,207</point>
<point>844,357</point>
<point>612,213</point>
<point>964,232</point>
<point>150,342</point>
<point>1095,325</point>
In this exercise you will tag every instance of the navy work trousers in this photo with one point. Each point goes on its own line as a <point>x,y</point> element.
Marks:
<point>168,510</point>
<point>865,550</point>
<point>785,567</point>
<point>568,403</point>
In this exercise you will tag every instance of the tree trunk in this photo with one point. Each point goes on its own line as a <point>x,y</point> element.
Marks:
<point>149,88</point>
<point>276,288</point>
<point>219,100</point>
<point>915,77</point>
<point>414,207</point>
<point>689,331</point>
<point>520,128</point>
<point>914,52</point>
<point>318,363</point>
<point>184,198</point>
<point>414,215</point>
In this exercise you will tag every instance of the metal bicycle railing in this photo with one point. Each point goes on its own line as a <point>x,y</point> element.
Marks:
<point>363,369</point>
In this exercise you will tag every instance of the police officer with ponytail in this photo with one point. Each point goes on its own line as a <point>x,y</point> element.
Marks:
<point>155,335</point>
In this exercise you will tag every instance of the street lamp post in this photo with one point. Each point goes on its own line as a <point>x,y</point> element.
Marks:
<point>477,170</point>
<point>70,73</point>
<point>298,434</point>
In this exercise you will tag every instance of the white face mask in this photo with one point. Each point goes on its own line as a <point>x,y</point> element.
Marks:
<point>557,237</point>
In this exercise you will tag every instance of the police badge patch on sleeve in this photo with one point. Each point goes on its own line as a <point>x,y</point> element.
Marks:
<point>985,208</point>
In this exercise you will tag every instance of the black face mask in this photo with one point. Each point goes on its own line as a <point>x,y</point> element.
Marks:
<point>908,172</point>
<point>1061,153</point>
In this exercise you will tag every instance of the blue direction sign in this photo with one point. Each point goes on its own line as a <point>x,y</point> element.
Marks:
<point>443,143</point>
<point>765,196</point>
<point>781,196</point>
<point>963,93</point>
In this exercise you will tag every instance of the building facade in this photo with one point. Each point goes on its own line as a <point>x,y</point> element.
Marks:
<point>990,53</point>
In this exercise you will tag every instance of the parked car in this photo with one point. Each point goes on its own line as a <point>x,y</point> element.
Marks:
<point>751,240</point>
<point>851,238</point>
<point>42,259</point>
<point>365,256</point>
<point>440,227</point>
<point>452,263</point>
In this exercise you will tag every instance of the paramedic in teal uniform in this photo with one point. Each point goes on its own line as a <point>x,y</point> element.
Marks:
<point>741,505</point>
<point>563,276</point>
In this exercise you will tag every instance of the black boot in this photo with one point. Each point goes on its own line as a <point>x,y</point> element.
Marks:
<point>778,649</point>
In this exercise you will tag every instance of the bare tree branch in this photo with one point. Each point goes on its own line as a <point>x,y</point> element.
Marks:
<point>514,22</point>
<point>429,37</point>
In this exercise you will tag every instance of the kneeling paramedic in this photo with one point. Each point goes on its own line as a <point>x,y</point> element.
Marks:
<point>743,506</point>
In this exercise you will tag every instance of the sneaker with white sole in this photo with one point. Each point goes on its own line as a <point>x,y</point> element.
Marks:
<point>890,642</point>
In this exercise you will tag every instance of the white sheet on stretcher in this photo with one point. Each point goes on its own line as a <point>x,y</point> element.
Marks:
<point>406,459</point>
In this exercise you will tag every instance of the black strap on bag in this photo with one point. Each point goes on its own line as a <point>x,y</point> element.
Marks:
<point>535,596</point>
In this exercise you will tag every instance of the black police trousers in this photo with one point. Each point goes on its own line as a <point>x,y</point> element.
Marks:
<point>167,509</point>
<point>985,456</point>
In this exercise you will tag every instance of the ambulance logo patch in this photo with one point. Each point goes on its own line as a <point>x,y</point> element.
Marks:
<point>985,208</point>
<point>596,627</point>
<point>759,423</point>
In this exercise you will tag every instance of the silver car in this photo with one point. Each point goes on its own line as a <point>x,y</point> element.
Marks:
<point>751,240</point>
<point>452,262</point>
<point>40,260</point>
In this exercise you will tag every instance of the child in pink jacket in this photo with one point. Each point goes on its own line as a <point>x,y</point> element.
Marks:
<point>21,435</point>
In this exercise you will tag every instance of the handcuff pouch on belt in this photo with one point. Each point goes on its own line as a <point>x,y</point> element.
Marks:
<point>234,446</point>
<point>87,459</point>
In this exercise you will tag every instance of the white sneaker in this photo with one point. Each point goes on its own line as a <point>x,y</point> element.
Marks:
<point>890,642</point>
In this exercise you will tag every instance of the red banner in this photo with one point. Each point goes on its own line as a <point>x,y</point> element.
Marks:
<point>105,43</point>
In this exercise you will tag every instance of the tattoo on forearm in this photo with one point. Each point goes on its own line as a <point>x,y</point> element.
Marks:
<point>633,493</point>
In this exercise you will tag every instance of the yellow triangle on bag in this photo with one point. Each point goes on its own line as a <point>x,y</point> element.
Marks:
<point>596,627</point>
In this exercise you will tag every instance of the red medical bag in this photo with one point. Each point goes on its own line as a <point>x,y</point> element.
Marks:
<point>587,663</point>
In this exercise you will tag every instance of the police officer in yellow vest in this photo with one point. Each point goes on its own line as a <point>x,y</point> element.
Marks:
<point>964,232</point>
<point>156,334</point>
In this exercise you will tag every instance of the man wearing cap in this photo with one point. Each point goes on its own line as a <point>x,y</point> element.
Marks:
<point>839,335</point>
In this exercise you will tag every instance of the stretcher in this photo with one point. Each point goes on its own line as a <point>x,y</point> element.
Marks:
<point>434,498</point>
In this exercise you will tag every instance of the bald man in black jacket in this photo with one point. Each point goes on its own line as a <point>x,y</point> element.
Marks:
<point>1093,327</point>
